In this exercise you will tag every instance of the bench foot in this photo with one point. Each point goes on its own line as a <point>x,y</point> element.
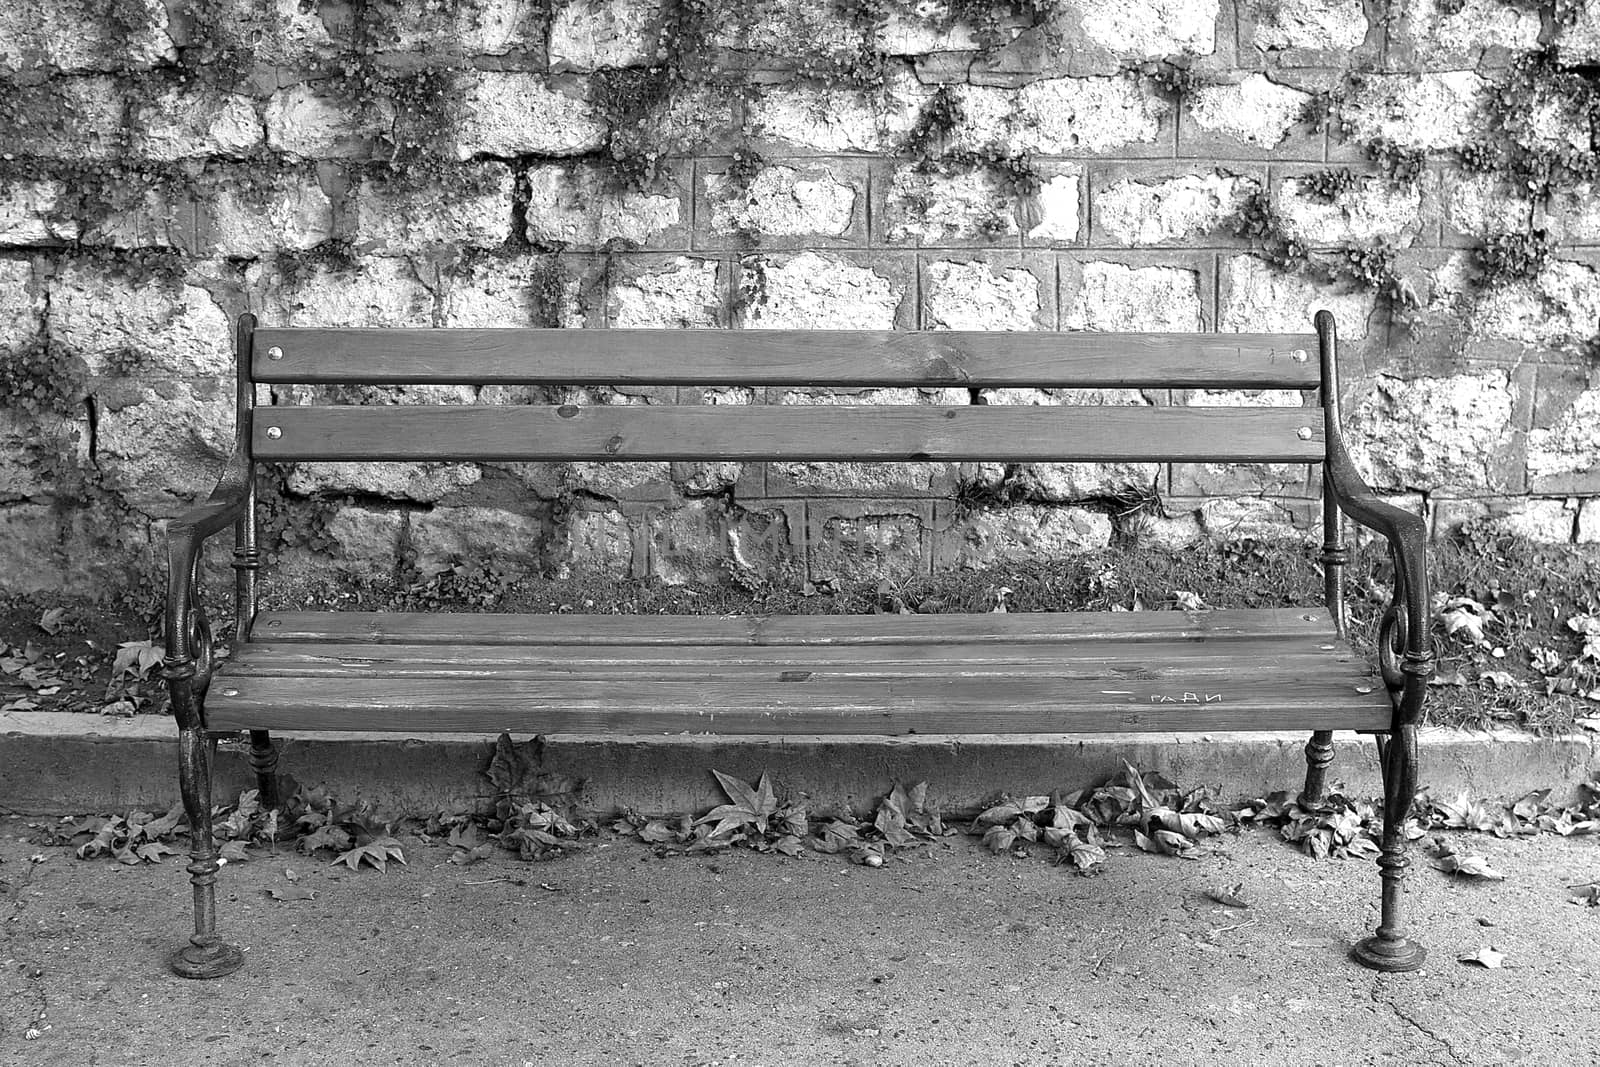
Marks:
<point>1391,956</point>
<point>211,959</point>
<point>1388,949</point>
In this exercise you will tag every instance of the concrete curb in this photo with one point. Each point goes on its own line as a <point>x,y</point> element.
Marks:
<point>64,763</point>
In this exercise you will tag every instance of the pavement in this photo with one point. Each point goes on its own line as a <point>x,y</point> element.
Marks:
<point>613,955</point>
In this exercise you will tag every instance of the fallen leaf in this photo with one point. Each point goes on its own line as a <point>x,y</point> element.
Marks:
<point>52,621</point>
<point>1484,957</point>
<point>1233,898</point>
<point>1450,862</point>
<point>293,892</point>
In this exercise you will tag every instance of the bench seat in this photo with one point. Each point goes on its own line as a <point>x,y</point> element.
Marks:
<point>1248,669</point>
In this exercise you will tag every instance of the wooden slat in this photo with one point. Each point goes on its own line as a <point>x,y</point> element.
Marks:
<point>774,357</point>
<point>574,631</point>
<point>1261,700</point>
<point>1104,658</point>
<point>875,433</point>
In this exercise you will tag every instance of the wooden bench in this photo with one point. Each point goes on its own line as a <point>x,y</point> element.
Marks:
<point>1271,669</point>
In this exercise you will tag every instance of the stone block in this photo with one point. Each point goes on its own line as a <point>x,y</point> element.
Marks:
<point>1066,482</point>
<point>277,32</point>
<point>852,479</point>
<point>1306,33</point>
<point>1480,205</point>
<point>1064,116</point>
<point>1431,112</point>
<point>821,291</point>
<point>785,204</point>
<point>367,540</point>
<point>619,481</point>
<point>29,444</point>
<point>994,292</point>
<point>470,27</point>
<point>509,113</point>
<point>679,292</point>
<point>1144,205</point>
<point>1588,531</point>
<point>854,541</point>
<point>444,535</point>
<point>1579,41</point>
<point>1258,297</point>
<point>956,204</point>
<point>519,290</point>
<point>34,560</point>
<point>76,35</point>
<point>1375,209</point>
<point>1446,35</point>
<point>1235,519</point>
<point>1020,533</point>
<point>589,35</point>
<point>1564,447</point>
<point>35,212</point>
<point>1102,294</point>
<point>399,214</point>
<point>597,541</point>
<point>376,292</point>
<point>1545,521</point>
<point>578,205</point>
<point>157,216</point>
<point>1573,215</point>
<point>1560,306</point>
<point>181,122</point>
<point>705,541</point>
<point>797,115</point>
<point>168,330</point>
<point>22,304</point>
<point>1250,116</point>
<point>1242,479</point>
<point>161,443</point>
<point>243,217</point>
<point>1459,433</point>
<point>426,483</point>
<point>311,122</point>
<point>74,117</point>
<point>1149,29</point>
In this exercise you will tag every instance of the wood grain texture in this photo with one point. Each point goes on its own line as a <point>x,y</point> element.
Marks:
<point>786,357</point>
<point>769,432</point>
<point>694,631</point>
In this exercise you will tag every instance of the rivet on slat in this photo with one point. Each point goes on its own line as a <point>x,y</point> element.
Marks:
<point>1299,355</point>
<point>274,352</point>
<point>275,432</point>
<point>1304,433</point>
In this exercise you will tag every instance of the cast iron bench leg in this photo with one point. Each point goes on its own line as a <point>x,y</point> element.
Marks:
<point>1389,949</point>
<point>1319,755</point>
<point>264,761</point>
<point>206,955</point>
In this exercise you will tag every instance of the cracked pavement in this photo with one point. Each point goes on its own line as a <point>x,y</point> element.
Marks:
<point>615,956</point>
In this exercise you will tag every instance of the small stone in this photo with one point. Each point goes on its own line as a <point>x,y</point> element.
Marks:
<point>1236,519</point>
<point>839,120</point>
<point>175,332</point>
<point>1464,30</point>
<point>937,204</point>
<point>21,304</point>
<point>76,35</point>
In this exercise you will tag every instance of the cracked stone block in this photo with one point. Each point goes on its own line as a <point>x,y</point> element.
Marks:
<point>366,540</point>
<point>619,481</point>
<point>35,212</point>
<point>246,219</point>
<point>303,121</point>
<point>787,29</point>
<point>182,123</point>
<point>26,440</point>
<point>22,304</point>
<point>1020,533</point>
<point>590,541</point>
<point>85,120</point>
<point>1560,306</point>
<point>76,35</point>
<point>602,34</point>
<point>783,201</point>
<point>1057,116</point>
<point>858,543</point>
<point>148,218</point>
<point>1375,209</point>
<point>163,442</point>
<point>1434,112</point>
<point>928,26</point>
<point>704,541</point>
<point>1452,433</point>
<point>1117,297</point>
<point>1307,25</point>
<point>1258,297</point>
<point>511,292</point>
<point>506,113</point>
<point>402,215</point>
<point>575,205</point>
<point>277,32</point>
<point>1254,110</point>
<point>426,483</point>
<point>1479,205</point>
<point>444,535</point>
<point>1136,211</point>
<point>378,292</point>
<point>814,291</point>
<point>980,296</point>
<point>169,330</point>
<point>838,120</point>
<point>1235,519</point>
<point>475,27</point>
<point>1566,454</point>
<point>682,293</point>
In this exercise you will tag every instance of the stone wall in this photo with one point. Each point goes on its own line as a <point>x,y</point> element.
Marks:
<point>1190,165</point>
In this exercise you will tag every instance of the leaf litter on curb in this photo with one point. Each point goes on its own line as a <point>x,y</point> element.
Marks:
<point>1484,957</point>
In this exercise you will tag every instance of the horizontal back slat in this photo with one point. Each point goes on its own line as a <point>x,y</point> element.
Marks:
<point>785,357</point>
<point>873,433</point>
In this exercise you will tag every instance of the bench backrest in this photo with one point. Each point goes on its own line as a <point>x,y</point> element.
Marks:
<point>772,431</point>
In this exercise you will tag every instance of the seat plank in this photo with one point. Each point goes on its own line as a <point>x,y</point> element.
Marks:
<point>490,628</point>
<point>1324,699</point>
<point>997,434</point>
<point>785,357</point>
